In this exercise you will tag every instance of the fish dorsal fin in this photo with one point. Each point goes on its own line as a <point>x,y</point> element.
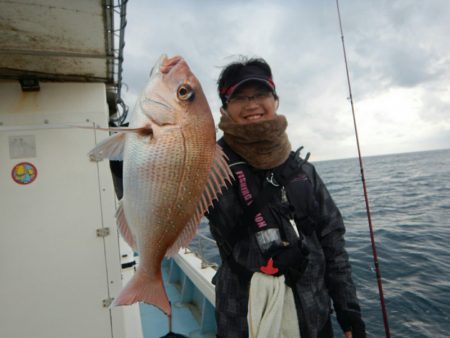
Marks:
<point>124,228</point>
<point>219,175</point>
<point>111,147</point>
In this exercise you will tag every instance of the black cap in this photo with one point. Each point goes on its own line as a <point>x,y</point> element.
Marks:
<point>246,74</point>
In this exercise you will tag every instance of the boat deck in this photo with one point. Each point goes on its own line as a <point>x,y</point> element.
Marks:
<point>193,316</point>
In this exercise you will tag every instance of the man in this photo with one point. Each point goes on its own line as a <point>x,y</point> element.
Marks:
<point>251,221</point>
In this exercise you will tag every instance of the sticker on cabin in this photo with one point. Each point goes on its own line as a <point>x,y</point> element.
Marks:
<point>24,173</point>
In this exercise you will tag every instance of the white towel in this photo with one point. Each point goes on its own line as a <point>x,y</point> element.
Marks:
<point>271,308</point>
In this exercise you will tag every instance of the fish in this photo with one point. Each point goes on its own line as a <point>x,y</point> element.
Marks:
<point>173,170</point>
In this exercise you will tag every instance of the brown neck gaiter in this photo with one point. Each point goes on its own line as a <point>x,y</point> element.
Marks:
<point>264,145</point>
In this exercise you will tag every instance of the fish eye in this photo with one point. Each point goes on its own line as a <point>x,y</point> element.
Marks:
<point>185,92</point>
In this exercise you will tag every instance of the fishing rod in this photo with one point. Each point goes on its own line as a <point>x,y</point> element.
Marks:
<point>372,238</point>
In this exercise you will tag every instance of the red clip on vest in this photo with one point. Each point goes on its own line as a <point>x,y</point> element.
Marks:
<point>269,269</point>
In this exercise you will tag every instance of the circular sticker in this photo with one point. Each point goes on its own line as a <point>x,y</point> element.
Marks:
<point>24,173</point>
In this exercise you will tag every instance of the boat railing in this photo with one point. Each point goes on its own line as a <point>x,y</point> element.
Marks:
<point>201,246</point>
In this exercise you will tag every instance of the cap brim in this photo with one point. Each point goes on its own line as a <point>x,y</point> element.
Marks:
<point>250,79</point>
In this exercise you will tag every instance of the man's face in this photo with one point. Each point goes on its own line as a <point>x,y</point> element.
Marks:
<point>251,103</point>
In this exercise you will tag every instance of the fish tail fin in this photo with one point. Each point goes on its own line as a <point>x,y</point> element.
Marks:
<point>143,288</point>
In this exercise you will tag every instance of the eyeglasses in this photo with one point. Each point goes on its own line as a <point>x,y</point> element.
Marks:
<point>244,99</point>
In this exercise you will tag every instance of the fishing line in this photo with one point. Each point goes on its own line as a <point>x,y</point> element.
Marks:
<point>372,238</point>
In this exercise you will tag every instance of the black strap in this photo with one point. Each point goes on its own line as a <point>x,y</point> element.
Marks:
<point>253,201</point>
<point>278,178</point>
<point>287,171</point>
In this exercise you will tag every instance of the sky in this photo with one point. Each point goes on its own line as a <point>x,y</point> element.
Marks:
<point>398,55</point>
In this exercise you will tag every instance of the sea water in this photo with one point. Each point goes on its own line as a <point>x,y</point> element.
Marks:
<point>409,198</point>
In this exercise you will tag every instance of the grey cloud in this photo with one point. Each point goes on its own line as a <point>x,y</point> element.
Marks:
<point>402,43</point>
<point>435,108</point>
<point>397,43</point>
<point>409,68</point>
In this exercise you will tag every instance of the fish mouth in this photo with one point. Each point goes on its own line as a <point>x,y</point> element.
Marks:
<point>156,69</point>
<point>167,64</point>
<point>163,65</point>
<point>156,106</point>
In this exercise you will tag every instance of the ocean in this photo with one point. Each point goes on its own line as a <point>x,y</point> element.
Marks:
<point>409,197</point>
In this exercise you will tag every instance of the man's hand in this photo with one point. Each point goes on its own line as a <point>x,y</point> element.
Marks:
<point>291,262</point>
<point>291,256</point>
<point>351,323</point>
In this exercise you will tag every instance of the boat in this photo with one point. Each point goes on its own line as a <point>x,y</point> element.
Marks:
<point>62,259</point>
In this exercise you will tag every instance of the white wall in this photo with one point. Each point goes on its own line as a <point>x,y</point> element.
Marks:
<point>55,271</point>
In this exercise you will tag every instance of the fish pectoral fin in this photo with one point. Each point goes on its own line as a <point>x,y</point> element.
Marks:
<point>219,175</point>
<point>111,147</point>
<point>124,228</point>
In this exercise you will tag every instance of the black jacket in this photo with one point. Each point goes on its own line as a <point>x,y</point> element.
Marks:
<point>328,273</point>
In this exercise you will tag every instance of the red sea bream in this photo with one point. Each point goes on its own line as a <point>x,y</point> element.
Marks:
<point>172,171</point>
